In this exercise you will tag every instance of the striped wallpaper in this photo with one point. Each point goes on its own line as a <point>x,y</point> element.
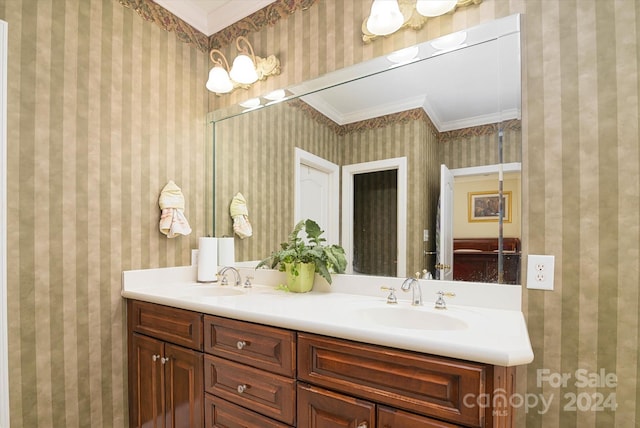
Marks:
<point>95,130</point>
<point>103,109</point>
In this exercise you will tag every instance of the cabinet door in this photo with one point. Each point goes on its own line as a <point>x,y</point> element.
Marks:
<point>393,418</point>
<point>184,386</point>
<point>146,383</point>
<point>320,408</point>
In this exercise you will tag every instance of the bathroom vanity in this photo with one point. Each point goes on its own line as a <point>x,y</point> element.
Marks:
<point>206,355</point>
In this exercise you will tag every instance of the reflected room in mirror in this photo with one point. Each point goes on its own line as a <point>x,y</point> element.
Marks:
<point>373,138</point>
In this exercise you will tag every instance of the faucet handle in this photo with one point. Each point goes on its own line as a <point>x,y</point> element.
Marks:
<point>391,298</point>
<point>224,281</point>
<point>440,303</point>
<point>247,282</point>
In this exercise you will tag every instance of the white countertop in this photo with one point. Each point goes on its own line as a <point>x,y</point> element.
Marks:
<point>483,322</point>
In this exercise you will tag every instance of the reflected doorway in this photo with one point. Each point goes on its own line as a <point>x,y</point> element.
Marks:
<point>371,215</point>
<point>375,218</point>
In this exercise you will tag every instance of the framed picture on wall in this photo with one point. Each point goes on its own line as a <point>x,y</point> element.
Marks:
<point>483,206</point>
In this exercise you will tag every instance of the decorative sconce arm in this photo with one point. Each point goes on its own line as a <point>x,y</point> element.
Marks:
<point>221,61</point>
<point>247,49</point>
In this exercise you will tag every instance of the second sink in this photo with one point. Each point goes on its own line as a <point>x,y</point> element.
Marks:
<point>411,318</point>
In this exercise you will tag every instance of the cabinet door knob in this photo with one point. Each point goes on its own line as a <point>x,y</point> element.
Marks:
<point>155,357</point>
<point>241,344</point>
<point>242,388</point>
<point>164,360</point>
<point>363,425</point>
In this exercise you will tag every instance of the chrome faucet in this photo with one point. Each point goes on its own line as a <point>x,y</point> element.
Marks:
<point>440,303</point>
<point>236,275</point>
<point>414,284</point>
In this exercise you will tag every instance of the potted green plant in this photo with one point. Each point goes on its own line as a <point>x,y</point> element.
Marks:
<point>301,258</point>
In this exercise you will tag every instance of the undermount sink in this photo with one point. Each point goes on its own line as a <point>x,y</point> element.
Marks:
<point>412,318</point>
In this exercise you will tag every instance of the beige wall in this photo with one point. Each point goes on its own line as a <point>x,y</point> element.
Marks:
<point>87,157</point>
<point>103,109</point>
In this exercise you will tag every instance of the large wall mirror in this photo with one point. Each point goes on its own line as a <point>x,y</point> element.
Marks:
<point>360,151</point>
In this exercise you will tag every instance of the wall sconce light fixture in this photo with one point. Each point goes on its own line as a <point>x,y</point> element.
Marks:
<point>247,68</point>
<point>388,16</point>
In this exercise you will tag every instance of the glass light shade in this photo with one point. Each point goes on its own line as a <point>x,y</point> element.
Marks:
<point>404,56</point>
<point>434,7</point>
<point>278,94</point>
<point>251,103</point>
<point>219,81</point>
<point>243,70</point>
<point>450,41</point>
<point>385,17</point>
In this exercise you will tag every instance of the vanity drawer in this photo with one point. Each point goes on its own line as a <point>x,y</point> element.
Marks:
<point>173,325</point>
<point>220,413</point>
<point>423,384</point>
<point>266,393</point>
<point>267,348</point>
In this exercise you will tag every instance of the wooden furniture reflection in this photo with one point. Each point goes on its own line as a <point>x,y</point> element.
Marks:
<point>476,259</point>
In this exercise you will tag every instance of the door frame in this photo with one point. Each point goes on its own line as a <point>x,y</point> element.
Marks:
<point>348,172</point>
<point>304,158</point>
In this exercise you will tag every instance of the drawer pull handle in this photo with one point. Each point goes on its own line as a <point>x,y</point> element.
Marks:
<point>242,388</point>
<point>155,357</point>
<point>363,425</point>
<point>241,344</point>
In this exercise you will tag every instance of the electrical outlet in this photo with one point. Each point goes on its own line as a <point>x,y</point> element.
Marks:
<point>194,257</point>
<point>425,235</point>
<point>540,272</point>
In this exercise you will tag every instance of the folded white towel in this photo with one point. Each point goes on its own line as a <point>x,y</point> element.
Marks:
<point>172,219</point>
<point>240,215</point>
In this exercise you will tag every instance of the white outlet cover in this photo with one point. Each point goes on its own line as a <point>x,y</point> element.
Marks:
<point>540,271</point>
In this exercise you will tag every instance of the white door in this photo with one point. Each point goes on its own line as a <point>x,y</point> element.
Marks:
<point>318,193</point>
<point>445,244</point>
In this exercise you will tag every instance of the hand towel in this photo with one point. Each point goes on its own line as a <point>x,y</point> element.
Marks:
<point>172,219</point>
<point>240,215</point>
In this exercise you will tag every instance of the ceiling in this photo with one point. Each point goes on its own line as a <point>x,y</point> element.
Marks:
<point>462,89</point>
<point>211,16</point>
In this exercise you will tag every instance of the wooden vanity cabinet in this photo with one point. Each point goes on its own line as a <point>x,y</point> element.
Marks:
<point>192,370</point>
<point>165,367</point>
<point>251,366</point>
